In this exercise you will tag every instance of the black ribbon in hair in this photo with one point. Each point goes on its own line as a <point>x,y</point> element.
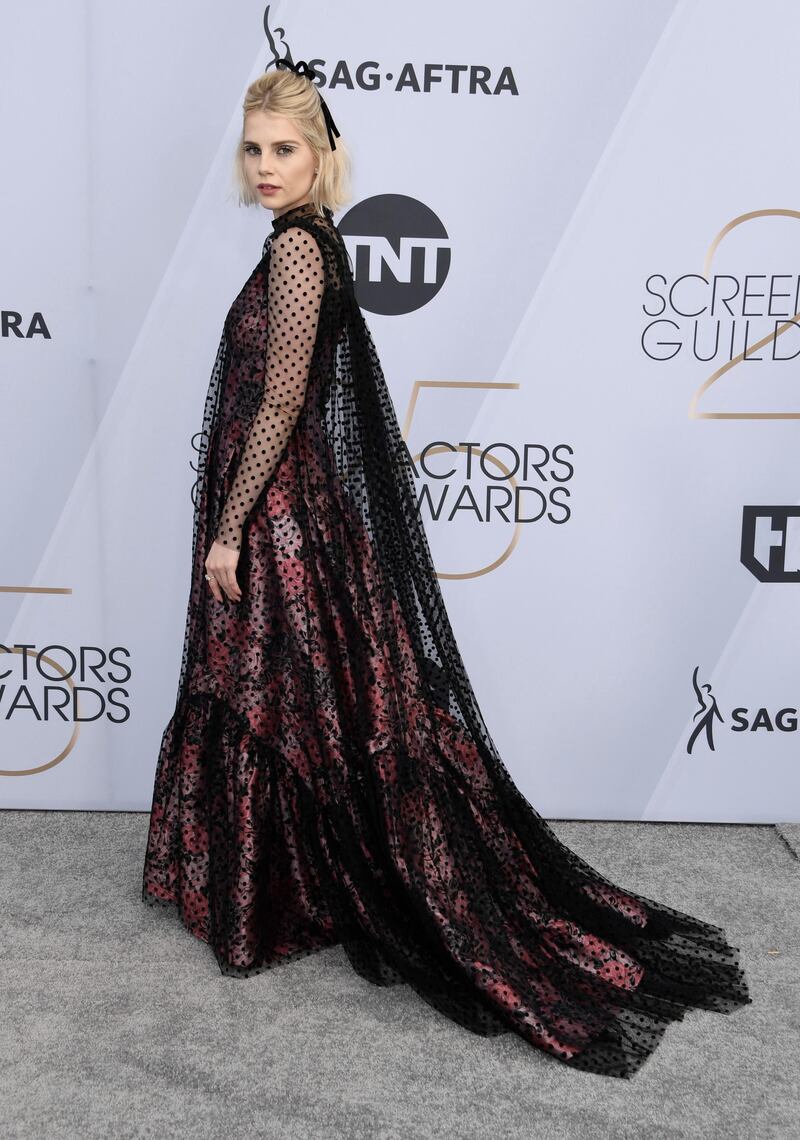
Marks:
<point>302,68</point>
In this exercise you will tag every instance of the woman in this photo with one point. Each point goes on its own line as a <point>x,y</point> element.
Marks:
<point>327,777</point>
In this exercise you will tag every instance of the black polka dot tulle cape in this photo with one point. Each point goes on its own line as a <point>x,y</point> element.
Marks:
<point>327,777</point>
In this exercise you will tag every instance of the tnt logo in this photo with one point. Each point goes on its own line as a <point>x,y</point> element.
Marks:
<point>771,543</point>
<point>399,250</point>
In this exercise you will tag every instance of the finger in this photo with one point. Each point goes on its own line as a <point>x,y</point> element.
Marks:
<point>213,586</point>
<point>232,586</point>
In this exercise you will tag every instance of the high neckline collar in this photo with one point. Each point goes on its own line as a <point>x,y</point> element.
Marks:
<point>302,210</point>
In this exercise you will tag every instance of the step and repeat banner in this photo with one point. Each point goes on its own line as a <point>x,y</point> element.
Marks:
<point>575,229</point>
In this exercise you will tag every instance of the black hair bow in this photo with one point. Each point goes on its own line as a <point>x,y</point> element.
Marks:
<point>302,68</point>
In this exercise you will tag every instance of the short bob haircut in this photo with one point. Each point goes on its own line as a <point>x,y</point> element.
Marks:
<point>284,92</point>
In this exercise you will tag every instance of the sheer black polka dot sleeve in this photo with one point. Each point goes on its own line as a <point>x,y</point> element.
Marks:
<point>294,296</point>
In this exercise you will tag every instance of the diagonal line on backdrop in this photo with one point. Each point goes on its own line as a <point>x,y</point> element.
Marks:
<point>596,174</point>
<point>124,389</point>
<point>679,754</point>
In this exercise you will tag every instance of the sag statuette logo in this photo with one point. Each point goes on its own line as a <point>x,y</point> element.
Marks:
<point>472,80</point>
<point>742,718</point>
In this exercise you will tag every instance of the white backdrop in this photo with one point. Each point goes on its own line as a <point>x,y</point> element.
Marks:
<point>568,223</point>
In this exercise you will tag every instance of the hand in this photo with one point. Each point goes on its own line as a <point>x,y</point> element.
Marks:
<point>221,565</point>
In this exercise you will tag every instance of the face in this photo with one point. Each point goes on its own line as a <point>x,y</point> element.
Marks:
<point>278,162</point>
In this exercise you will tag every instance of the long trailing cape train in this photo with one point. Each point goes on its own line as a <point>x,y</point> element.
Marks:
<point>327,777</point>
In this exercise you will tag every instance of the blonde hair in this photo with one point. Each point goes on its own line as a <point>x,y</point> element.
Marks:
<point>284,92</point>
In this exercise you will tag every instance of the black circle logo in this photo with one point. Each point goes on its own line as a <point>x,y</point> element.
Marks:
<point>400,253</point>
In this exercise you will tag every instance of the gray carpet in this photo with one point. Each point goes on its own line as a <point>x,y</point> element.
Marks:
<point>117,1023</point>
